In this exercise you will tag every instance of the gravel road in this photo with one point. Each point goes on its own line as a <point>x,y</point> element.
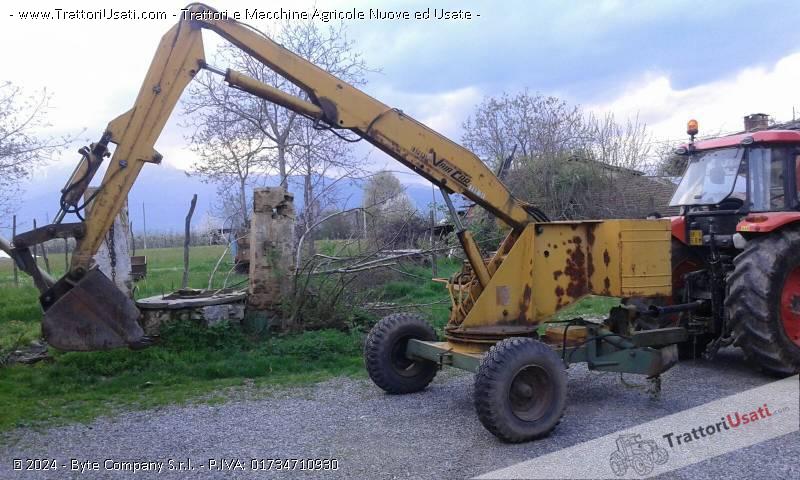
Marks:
<point>432,434</point>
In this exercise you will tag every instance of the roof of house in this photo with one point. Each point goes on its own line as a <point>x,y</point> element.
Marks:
<point>643,195</point>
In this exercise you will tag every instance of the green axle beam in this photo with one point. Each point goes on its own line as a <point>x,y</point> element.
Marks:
<point>647,353</point>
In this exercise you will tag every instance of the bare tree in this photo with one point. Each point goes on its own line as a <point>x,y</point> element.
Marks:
<point>571,164</point>
<point>22,148</point>
<point>387,206</point>
<point>534,124</point>
<point>668,163</point>
<point>294,145</point>
<point>230,154</point>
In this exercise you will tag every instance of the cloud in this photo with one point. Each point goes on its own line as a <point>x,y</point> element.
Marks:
<point>718,106</point>
<point>438,71</point>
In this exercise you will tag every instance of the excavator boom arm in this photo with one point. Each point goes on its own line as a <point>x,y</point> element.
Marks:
<point>427,152</point>
<point>74,304</point>
<point>334,101</point>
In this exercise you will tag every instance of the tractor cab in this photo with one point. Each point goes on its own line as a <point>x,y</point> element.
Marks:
<point>734,261</point>
<point>732,179</point>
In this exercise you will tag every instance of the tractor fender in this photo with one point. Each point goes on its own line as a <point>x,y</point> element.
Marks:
<point>678,226</point>
<point>764,222</point>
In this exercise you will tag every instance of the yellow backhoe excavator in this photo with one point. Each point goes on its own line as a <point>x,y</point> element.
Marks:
<point>499,304</point>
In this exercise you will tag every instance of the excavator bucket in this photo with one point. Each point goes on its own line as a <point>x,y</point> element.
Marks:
<point>93,315</point>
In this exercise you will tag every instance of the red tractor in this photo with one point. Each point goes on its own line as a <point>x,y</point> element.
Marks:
<point>736,246</point>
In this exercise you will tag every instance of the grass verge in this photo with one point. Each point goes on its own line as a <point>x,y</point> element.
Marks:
<point>189,364</point>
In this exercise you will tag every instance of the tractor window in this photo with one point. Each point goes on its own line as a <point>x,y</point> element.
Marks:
<point>797,174</point>
<point>711,176</point>
<point>767,180</point>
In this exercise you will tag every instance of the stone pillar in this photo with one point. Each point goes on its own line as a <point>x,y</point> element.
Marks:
<point>115,262</point>
<point>271,247</point>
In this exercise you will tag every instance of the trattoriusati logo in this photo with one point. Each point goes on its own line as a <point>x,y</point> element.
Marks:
<point>676,441</point>
<point>640,455</point>
<point>729,422</point>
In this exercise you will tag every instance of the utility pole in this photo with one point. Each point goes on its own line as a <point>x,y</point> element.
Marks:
<point>144,227</point>
<point>14,234</point>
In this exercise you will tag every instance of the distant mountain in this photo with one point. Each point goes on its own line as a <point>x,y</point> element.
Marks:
<point>165,193</point>
<point>162,195</point>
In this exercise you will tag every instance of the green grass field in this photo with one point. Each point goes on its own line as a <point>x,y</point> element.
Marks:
<point>189,363</point>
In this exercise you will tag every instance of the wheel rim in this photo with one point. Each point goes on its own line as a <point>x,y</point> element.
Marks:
<point>790,306</point>
<point>401,364</point>
<point>530,393</point>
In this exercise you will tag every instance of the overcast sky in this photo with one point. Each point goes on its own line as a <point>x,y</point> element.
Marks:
<point>666,61</point>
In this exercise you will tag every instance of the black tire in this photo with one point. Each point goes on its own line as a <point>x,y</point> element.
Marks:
<point>384,354</point>
<point>520,390</point>
<point>753,301</point>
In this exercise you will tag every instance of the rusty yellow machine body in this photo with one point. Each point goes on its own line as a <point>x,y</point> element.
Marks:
<point>551,265</point>
<point>498,304</point>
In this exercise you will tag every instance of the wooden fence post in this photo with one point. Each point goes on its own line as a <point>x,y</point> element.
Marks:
<point>14,234</point>
<point>186,241</point>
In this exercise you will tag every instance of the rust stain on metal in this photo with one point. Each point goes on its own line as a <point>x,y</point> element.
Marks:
<point>607,285</point>
<point>606,257</point>
<point>590,234</point>
<point>557,274</point>
<point>559,297</point>
<point>575,270</point>
<point>525,304</point>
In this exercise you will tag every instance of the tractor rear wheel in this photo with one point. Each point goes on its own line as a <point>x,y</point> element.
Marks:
<point>520,390</point>
<point>763,301</point>
<point>385,354</point>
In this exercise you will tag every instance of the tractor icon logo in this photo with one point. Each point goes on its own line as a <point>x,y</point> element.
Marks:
<point>641,455</point>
